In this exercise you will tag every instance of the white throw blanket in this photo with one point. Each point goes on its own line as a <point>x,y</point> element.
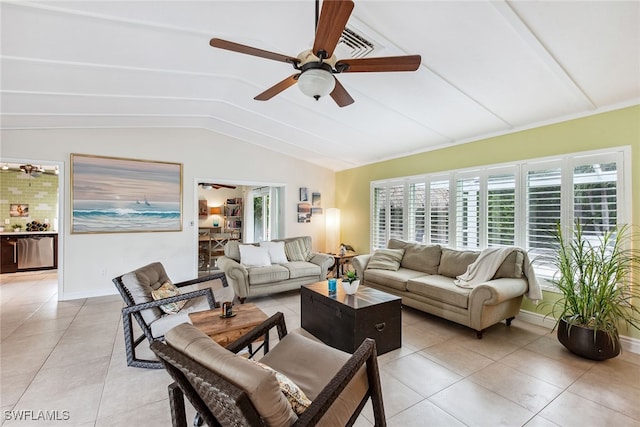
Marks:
<point>488,262</point>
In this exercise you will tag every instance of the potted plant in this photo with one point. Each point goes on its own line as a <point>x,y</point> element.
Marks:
<point>598,281</point>
<point>350,282</point>
<point>17,228</point>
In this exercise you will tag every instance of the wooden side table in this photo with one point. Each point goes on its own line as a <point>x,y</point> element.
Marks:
<point>224,331</point>
<point>339,262</point>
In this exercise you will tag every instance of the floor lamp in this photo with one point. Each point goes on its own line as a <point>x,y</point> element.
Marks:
<point>332,226</point>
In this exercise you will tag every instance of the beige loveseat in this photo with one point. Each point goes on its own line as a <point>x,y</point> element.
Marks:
<point>297,266</point>
<point>425,277</point>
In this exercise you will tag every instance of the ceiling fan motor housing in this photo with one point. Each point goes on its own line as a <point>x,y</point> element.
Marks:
<point>316,75</point>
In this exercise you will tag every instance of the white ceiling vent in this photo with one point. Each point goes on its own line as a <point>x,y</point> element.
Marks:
<point>353,45</point>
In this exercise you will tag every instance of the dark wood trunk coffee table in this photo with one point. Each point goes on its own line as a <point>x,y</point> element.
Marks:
<point>344,321</point>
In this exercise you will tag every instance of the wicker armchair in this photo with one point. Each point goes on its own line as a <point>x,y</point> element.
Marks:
<point>135,288</point>
<point>338,384</point>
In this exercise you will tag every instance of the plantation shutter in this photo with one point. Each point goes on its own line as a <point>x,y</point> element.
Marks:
<point>543,188</point>
<point>468,212</point>
<point>501,206</point>
<point>379,218</point>
<point>417,212</point>
<point>396,212</point>
<point>439,212</point>
<point>595,195</point>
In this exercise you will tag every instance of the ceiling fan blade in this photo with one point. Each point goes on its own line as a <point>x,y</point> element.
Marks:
<point>340,95</point>
<point>387,63</point>
<point>277,88</point>
<point>333,18</point>
<point>248,50</point>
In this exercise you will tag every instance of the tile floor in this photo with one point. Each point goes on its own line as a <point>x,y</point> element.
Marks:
<point>69,357</point>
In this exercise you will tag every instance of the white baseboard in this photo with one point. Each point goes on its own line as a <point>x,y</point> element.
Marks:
<point>628,343</point>
<point>68,296</point>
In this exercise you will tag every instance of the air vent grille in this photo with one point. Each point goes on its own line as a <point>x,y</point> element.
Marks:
<point>355,44</point>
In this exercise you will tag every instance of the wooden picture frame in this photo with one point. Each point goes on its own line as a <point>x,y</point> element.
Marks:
<point>120,195</point>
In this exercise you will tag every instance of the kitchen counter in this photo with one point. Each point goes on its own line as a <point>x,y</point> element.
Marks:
<point>25,233</point>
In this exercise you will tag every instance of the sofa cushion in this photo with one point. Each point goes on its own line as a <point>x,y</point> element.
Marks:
<point>141,282</point>
<point>424,258</point>
<point>393,279</point>
<point>295,354</point>
<point>298,250</point>
<point>511,267</point>
<point>276,252</point>
<point>454,263</point>
<point>302,269</point>
<point>260,385</point>
<point>254,256</point>
<point>267,275</point>
<point>160,326</point>
<point>440,288</point>
<point>386,259</point>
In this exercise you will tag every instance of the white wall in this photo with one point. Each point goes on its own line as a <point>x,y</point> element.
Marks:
<point>90,261</point>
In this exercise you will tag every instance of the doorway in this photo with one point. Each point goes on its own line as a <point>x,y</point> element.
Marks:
<point>260,216</point>
<point>46,206</point>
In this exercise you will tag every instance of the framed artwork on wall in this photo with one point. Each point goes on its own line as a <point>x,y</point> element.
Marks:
<point>118,195</point>
<point>304,194</point>
<point>18,210</point>
<point>304,212</point>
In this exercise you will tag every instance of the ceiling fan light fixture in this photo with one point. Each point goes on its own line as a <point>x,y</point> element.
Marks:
<point>316,82</point>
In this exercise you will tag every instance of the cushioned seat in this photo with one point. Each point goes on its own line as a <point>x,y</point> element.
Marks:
<point>393,279</point>
<point>302,269</point>
<point>440,288</point>
<point>300,381</point>
<point>272,273</point>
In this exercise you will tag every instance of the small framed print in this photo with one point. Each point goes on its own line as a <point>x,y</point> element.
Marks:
<point>304,194</point>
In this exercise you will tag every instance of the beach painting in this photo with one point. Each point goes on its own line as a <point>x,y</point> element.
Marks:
<point>115,195</point>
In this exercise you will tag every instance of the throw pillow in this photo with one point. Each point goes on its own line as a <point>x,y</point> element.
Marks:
<point>254,256</point>
<point>297,250</point>
<point>386,259</point>
<point>297,399</point>
<point>167,290</point>
<point>276,252</point>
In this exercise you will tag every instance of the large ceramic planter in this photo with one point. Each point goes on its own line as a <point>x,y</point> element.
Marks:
<point>581,341</point>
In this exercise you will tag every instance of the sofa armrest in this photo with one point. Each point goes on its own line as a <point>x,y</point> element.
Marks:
<point>496,291</point>
<point>237,275</point>
<point>325,261</point>
<point>360,262</point>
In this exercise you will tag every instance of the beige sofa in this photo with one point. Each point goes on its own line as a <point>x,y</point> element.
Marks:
<point>425,277</point>
<point>300,267</point>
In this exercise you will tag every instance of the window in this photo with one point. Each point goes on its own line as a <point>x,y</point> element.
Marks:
<point>505,205</point>
<point>438,213</point>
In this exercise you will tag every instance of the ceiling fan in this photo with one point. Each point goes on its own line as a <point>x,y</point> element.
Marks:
<point>30,170</point>
<point>207,185</point>
<point>318,65</point>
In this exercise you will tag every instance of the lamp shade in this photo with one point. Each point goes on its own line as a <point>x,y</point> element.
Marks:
<point>216,210</point>
<point>316,83</point>
<point>332,239</point>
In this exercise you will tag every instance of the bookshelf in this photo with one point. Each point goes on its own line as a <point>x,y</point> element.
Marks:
<point>233,217</point>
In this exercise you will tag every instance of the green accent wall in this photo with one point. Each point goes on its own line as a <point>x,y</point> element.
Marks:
<point>40,193</point>
<point>605,130</point>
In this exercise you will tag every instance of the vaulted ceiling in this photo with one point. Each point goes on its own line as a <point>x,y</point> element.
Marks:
<point>488,68</point>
